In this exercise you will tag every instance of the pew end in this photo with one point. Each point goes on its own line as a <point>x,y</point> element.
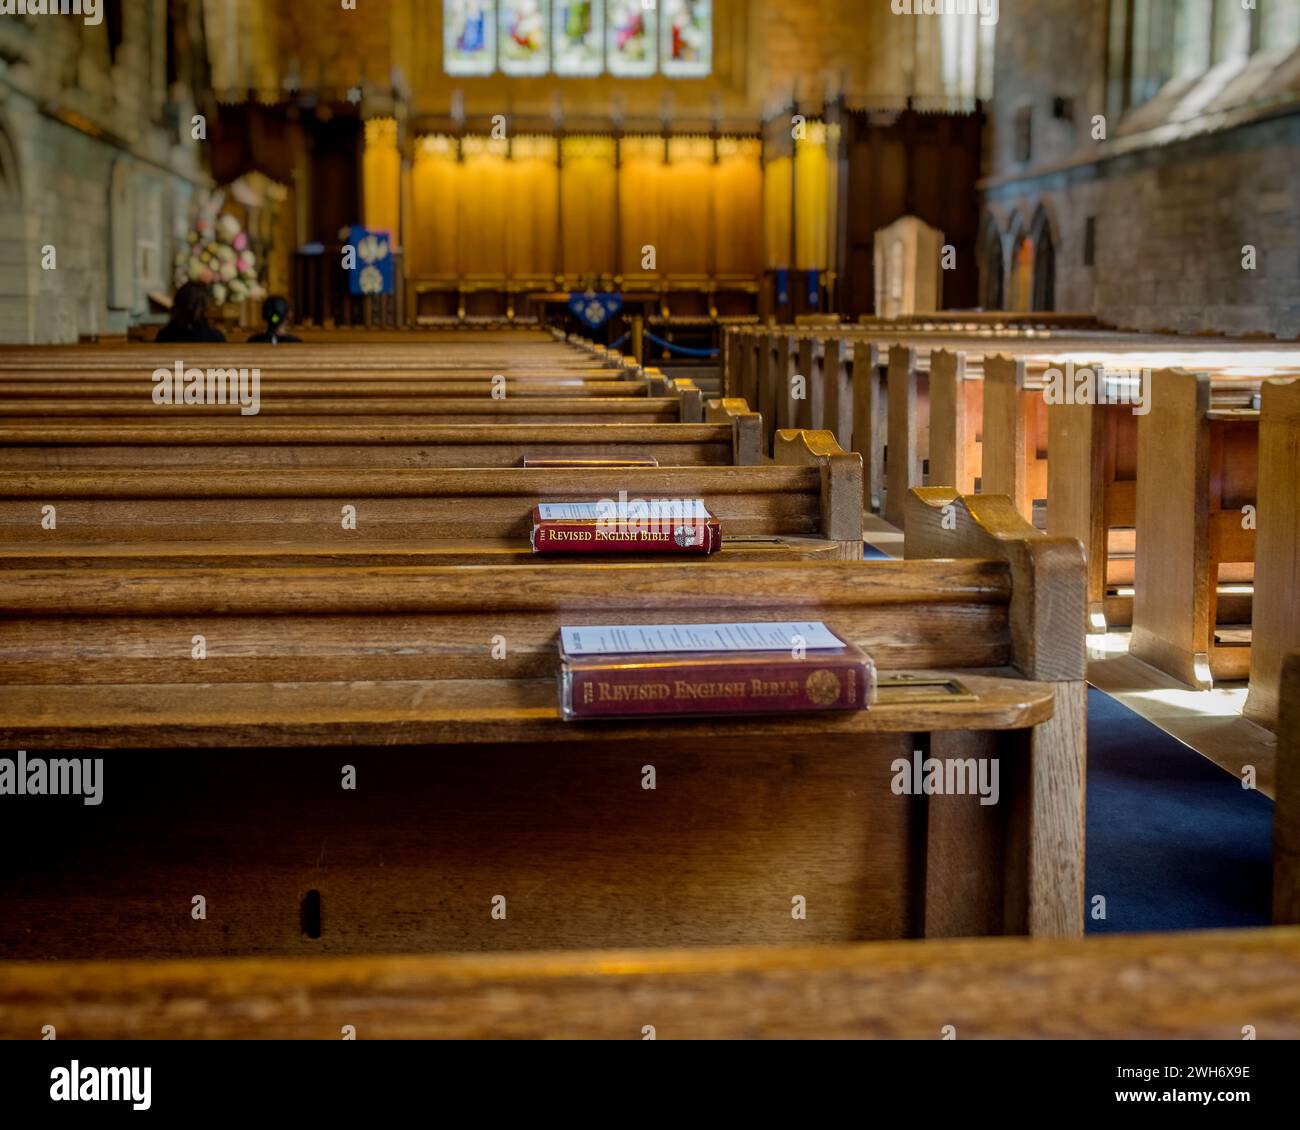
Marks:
<point>1275,609</point>
<point>1047,606</point>
<point>841,472</point>
<point>746,428</point>
<point>1286,808</point>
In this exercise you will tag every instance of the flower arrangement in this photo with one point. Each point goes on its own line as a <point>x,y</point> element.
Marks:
<point>218,254</point>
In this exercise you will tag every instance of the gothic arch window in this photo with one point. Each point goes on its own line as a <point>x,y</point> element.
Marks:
<point>1043,263</point>
<point>993,265</point>
<point>1020,277</point>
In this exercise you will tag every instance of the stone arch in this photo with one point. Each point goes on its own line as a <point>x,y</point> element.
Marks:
<point>1043,234</point>
<point>1020,270</point>
<point>992,266</point>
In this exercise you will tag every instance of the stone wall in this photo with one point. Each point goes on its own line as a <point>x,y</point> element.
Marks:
<point>1172,207</point>
<point>94,182</point>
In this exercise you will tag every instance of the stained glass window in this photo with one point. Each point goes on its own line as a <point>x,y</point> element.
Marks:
<point>524,37</point>
<point>631,46</point>
<point>469,30</point>
<point>571,38</point>
<point>578,37</point>
<point>686,37</point>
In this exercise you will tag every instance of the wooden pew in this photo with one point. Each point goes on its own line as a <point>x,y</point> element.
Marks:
<point>1286,806</point>
<point>1092,482</point>
<point>681,403</point>
<point>415,358</point>
<point>730,435</point>
<point>1197,468</point>
<point>862,424</point>
<point>969,320</point>
<point>1001,392</point>
<point>1275,622</point>
<point>275,385</point>
<point>807,504</point>
<point>1117,987</point>
<point>469,768</point>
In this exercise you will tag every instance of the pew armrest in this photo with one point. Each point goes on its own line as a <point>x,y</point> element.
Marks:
<point>841,478</point>
<point>690,398</point>
<point>1049,579</point>
<point>746,428</point>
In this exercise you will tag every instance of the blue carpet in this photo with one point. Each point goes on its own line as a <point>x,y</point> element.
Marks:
<point>871,553</point>
<point>1174,842</point>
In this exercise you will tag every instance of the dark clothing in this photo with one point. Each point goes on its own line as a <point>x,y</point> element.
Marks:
<point>200,332</point>
<point>267,339</point>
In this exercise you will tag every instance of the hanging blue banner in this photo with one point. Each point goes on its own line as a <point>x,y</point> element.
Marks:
<point>782,287</point>
<point>594,310</point>
<point>372,268</point>
<point>814,289</point>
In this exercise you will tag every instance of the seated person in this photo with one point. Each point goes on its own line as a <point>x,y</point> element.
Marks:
<point>275,312</point>
<point>189,320</point>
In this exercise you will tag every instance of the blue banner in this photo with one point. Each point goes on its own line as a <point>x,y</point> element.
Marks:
<point>782,287</point>
<point>814,289</point>
<point>372,270</point>
<point>594,310</point>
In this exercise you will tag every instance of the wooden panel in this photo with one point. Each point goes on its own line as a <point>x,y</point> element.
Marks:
<point>1076,491</point>
<point>411,860</point>
<point>951,430</point>
<point>1003,468</point>
<point>1275,628</point>
<point>903,465</point>
<point>227,444</point>
<point>1171,604</point>
<point>1286,809</point>
<point>1119,987</point>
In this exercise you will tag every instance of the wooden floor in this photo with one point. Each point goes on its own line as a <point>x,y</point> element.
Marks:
<point>1209,722</point>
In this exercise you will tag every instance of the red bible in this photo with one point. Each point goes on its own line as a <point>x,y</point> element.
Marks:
<point>583,527</point>
<point>610,685</point>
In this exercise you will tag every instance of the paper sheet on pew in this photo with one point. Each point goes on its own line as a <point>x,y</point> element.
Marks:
<point>654,639</point>
<point>608,510</point>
